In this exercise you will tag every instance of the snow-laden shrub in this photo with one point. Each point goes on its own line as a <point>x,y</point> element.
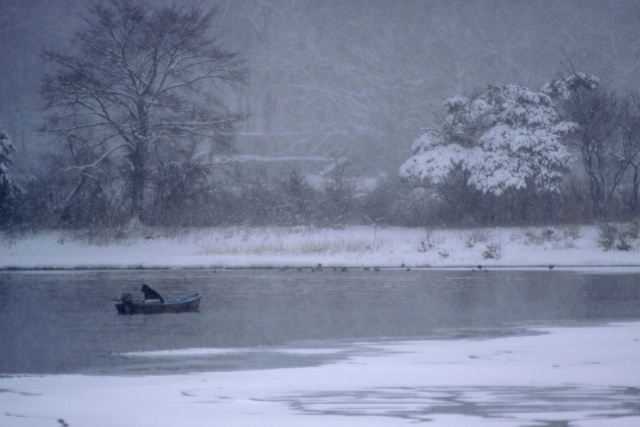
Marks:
<point>493,251</point>
<point>621,237</point>
<point>507,138</point>
<point>632,229</point>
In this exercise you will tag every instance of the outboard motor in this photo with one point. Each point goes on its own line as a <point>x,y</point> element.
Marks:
<point>127,302</point>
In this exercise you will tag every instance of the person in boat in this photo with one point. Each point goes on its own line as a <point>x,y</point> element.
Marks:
<point>150,295</point>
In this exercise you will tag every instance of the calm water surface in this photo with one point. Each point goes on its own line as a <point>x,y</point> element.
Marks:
<point>65,322</point>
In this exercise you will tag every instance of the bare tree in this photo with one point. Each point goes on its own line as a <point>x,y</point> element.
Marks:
<point>140,80</point>
<point>599,136</point>
<point>340,187</point>
<point>631,141</point>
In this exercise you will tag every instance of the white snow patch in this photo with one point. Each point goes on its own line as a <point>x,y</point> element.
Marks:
<point>358,246</point>
<point>584,376</point>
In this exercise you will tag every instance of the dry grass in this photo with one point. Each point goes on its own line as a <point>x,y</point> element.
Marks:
<point>276,241</point>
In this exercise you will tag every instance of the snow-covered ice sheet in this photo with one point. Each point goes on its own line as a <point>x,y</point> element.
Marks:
<point>580,376</point>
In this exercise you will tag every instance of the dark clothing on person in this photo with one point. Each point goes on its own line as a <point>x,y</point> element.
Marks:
<point>151,294</point>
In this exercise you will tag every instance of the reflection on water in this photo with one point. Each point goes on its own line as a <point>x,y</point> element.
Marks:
<point>66,322</point>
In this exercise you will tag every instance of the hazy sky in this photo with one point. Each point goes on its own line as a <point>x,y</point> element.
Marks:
<point>361,76</point>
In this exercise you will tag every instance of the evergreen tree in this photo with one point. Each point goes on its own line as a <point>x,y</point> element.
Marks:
<point>501,140</point>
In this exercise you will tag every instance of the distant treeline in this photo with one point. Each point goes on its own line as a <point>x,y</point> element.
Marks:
<point>260,201</point>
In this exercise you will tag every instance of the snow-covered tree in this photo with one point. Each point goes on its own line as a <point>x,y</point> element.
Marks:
<point>505,138</point>
<point>6,150</point>
<point>570,85</point>
<point>9,191</point>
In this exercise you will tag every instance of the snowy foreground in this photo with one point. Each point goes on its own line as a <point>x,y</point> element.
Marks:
<point>570,246</point>
<point>582,376</point>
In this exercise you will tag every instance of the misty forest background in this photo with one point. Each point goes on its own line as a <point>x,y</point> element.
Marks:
<point>305,112</point>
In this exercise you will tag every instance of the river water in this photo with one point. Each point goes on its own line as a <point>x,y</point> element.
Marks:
<point>65,321</point>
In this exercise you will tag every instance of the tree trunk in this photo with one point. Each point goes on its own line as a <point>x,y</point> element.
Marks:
<point>138,164</point>
<point>636,188</point>
<point>137,182</point>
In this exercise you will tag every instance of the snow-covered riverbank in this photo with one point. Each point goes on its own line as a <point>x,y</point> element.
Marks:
<point>308,247</point>
<point>579,376</point>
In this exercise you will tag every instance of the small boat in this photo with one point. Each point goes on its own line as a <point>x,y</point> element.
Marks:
<point>127,305</point>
